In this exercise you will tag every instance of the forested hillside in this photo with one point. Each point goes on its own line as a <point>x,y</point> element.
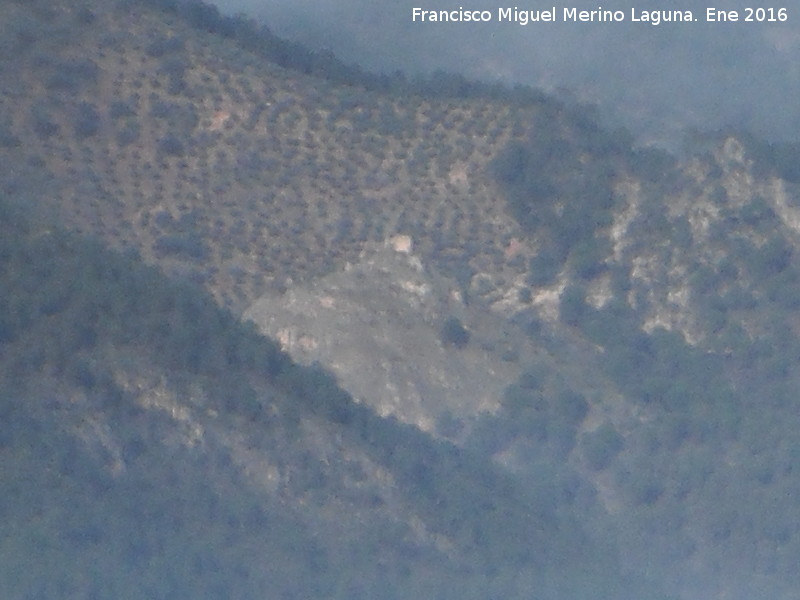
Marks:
<point>154,446</point>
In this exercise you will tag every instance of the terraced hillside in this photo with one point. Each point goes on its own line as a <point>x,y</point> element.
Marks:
<point>241,174</point>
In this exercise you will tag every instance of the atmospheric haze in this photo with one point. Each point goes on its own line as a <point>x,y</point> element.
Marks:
<point>657,80</point>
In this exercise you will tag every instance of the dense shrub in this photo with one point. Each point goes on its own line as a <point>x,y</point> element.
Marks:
<point>545,266</point>
<point>87,120</point>
<point>129,133</point>
<point>601,446</point>
<point>453,333</point>
<point>72,75</point>
<point>772,258</point>
<point>588,257</point>
<point>181,118</point>
<point>120,109</point>
<point>7,137</point>
<point>188,246</point>
<point>571,406</point>
<point>42,122</point>
<point>573,306</point>
<point>170,145</point>
<point>164,45</point>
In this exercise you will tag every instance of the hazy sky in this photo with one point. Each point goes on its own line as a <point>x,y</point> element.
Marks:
<point>655,79</point>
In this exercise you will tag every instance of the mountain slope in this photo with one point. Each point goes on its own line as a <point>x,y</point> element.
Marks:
<point>174,452</point>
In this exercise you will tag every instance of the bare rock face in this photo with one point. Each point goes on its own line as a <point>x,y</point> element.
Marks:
<point>377,326</point>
